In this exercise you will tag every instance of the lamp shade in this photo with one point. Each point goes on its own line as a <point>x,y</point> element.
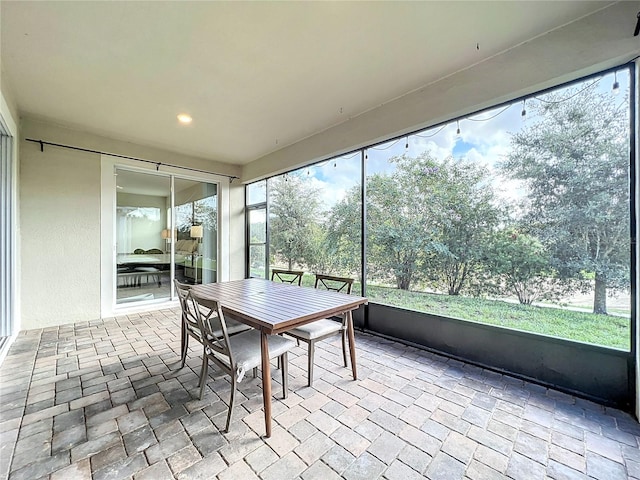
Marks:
<point>196,231</point>
<point>166,234</point>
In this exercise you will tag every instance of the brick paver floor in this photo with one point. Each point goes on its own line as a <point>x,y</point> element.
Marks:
<point>107,400</point>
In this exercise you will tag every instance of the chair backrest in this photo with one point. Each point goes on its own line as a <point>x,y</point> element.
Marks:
<point>189,315</point>
<point>286,276</point>
<point>336,284</point>
<point>214,331</point>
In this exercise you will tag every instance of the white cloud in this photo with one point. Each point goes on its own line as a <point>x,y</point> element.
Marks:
<point>331,181</point>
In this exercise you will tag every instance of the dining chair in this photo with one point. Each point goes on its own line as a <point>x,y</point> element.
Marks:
<point>235,354</point>
<point>286,276</point>
<point>190,326</point>
<point>325,328</point>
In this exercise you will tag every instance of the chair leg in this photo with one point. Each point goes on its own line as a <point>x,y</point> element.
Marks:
<point>255,372</point>
<point>344,346</point>
<point>184,345</point>
<point>278,359</point>
<point>310,359</point>
<point>232,401</point>
<point>284,361</point>
<point>203,374</point>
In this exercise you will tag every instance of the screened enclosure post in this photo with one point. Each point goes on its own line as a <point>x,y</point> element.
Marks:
<point>635,204</point>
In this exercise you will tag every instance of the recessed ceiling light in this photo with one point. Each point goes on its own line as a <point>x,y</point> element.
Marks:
<point>184,119</point>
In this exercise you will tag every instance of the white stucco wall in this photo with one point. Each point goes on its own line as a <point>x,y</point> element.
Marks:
<point>60,216</point>
<point>60,262</point>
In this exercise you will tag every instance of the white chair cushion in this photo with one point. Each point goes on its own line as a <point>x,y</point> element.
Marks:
<point>316,329</point>
<point>234,327</point>
<point>246,348</point>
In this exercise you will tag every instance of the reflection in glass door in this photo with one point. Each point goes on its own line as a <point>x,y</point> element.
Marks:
<point>143,256</point>
<point>155,242</point>
<point>196,220</point>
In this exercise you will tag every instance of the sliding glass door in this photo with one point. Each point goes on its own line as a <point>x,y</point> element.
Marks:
<point>7,235</point>
<point>166,227</point>
<point>196,231</point>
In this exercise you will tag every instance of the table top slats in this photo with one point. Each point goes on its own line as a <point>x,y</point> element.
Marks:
<point>276,307</point>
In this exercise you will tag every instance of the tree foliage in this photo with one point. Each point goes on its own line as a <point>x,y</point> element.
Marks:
<point>342,239</point>
<point>521,265</point>
<point>574,162</point>
<point>438,224</point>
<point>464,217</point>
<point>397,228</point>
<point>425,221</point>
<point>294,210</point>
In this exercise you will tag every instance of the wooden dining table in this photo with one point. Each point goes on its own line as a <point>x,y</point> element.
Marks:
<point>274,308</point>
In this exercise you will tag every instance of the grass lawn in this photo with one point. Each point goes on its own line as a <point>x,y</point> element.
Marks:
<point>605,330</point>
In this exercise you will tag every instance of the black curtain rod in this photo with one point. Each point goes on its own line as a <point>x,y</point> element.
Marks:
<point>42,143</point>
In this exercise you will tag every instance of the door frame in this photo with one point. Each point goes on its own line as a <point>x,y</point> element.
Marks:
<point>109,164</point>
<point>9,231</point>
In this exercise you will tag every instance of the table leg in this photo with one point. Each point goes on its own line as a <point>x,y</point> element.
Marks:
<point>352,344</point>
<point>266,381</point>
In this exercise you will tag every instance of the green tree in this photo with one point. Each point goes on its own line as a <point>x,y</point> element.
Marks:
<point>341,242</point>
<point>465,215</point>
<point>397,229</point>
<point>397,234</point>
<point>574,162</point>
<point>426,220</point>
<point>522,266</point>
<point>294,211</point>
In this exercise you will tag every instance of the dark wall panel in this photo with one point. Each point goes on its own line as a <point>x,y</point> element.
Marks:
<point>598,373</point>
<point>359,316</point>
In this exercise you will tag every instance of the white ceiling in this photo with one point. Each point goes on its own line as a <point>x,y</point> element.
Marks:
<point>255,76</point>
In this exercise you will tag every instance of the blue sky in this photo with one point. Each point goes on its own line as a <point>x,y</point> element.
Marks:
<point>461,148</point>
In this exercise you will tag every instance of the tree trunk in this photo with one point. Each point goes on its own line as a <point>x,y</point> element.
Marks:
<point>600,295</point>
<point>458,278</point>
<point>403,282</point>
<point>290,261</point>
